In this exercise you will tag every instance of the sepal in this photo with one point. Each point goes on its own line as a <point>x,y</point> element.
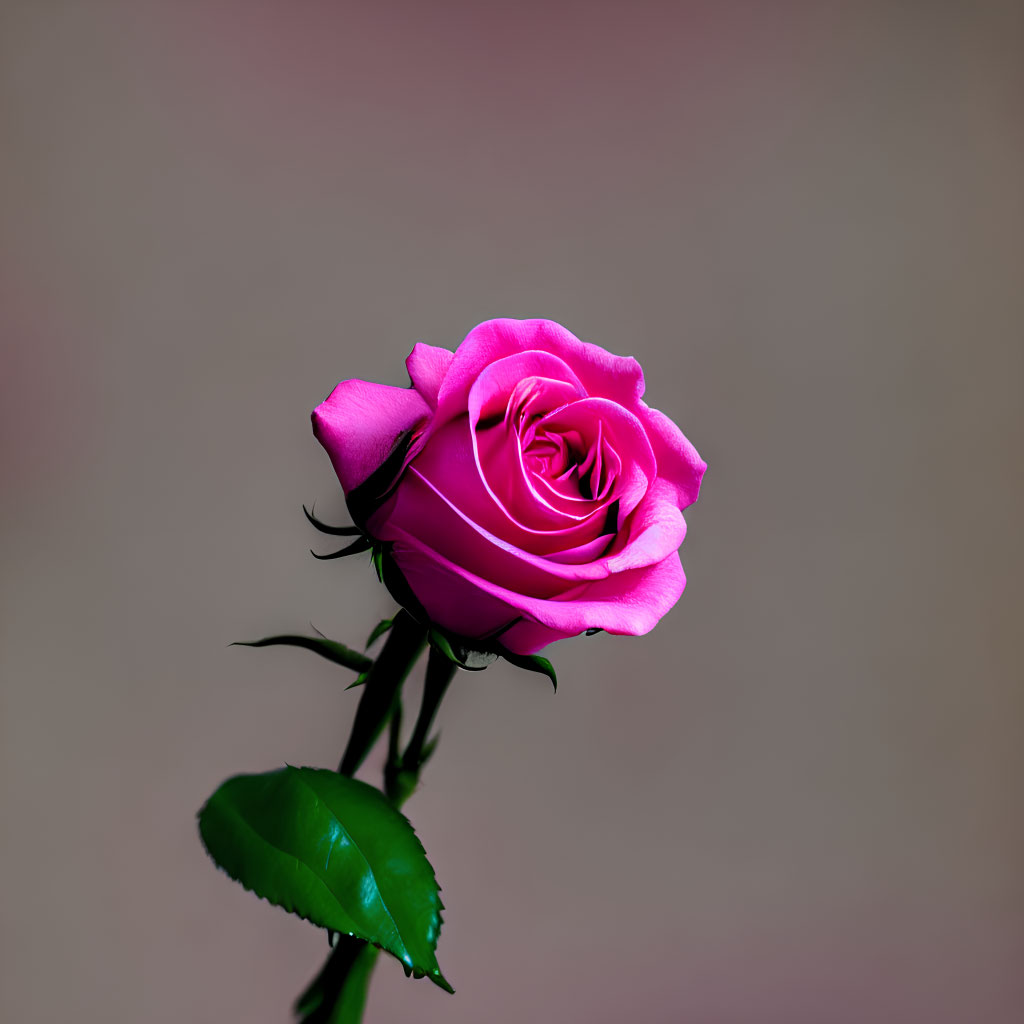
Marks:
<point>334,531</point>
<point>532,663</point>
<point>378,631</point>
<point>464,653</point>
<point>476,655</point>
<point>329,649</point>
<point>359,680</point>
<point>357,546</point>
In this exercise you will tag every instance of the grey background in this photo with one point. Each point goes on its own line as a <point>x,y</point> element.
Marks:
<point>798,800</point>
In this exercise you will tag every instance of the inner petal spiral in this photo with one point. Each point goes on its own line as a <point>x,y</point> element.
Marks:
<point>569,464</point>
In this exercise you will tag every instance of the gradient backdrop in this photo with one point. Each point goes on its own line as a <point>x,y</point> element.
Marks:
<point>799,800</point>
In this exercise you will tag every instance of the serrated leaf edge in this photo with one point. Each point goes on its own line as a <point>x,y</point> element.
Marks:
<point>434,974</point>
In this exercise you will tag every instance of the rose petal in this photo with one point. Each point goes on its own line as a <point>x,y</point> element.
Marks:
<point>422,512</point>
<point>678,461</point>
<point>359,423</point>
<point>536,379</point>
<point>584,554</point>
<point>528,637</point>
<point>451,601</point>
<point>629,602</point>
<point>601,373</point>
<point>427,366</point>
<point>449,463</point>
<point>626,437</point>
<point>461,522</point>
<point>521,388</point>
<point>525,499</point>
<point>654,531</point>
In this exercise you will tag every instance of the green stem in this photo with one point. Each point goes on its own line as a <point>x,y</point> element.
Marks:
<point>383,683</point>
<point>337,995</point>
<point>402,772</point>
<point>394,736</point>
<point>440,672</point>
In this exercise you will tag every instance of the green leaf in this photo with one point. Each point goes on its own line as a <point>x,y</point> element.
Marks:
<point>532,663</point>
<point>334,851</point>
<point>329,649</point>
<point>378,631</point>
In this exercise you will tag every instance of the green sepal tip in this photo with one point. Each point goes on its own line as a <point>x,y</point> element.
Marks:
<point>329,649</point>
<point>359,680</point>
<point>378,631</point>
<point>334,531</point>
<point>532,663</point>
<point>358,545</point>
<point>460,652</point>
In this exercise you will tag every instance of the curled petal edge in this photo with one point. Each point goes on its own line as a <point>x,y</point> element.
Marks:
<point>626,603</point>
<point>428,366</point>
<point>359,423</point>
<point>602,374</point>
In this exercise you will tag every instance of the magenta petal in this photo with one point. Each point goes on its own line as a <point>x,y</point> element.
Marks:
<point>359,423</point>
<point>528,637</point>
<point>585,554</point>
<point>655,530</point>
<point>450,598</point>
<point>629,602</point>
<point>535,380</point>
<point>448,462</point>
<point>427,366</point>
<point>422,515</point>
<point>678,461</point>
<point>525,499</point>
<point>421,512</point>
<point>626,438</point>
<point>601,373</point>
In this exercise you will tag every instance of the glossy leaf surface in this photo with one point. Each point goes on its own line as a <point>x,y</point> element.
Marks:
<point>334,851</point>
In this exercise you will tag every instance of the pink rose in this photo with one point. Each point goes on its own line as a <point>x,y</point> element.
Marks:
<point>521,486</point>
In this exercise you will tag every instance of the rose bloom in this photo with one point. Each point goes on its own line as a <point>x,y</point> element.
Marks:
<point>528,492</point>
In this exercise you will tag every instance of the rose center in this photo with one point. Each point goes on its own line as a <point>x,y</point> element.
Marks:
<point>572,465</point>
